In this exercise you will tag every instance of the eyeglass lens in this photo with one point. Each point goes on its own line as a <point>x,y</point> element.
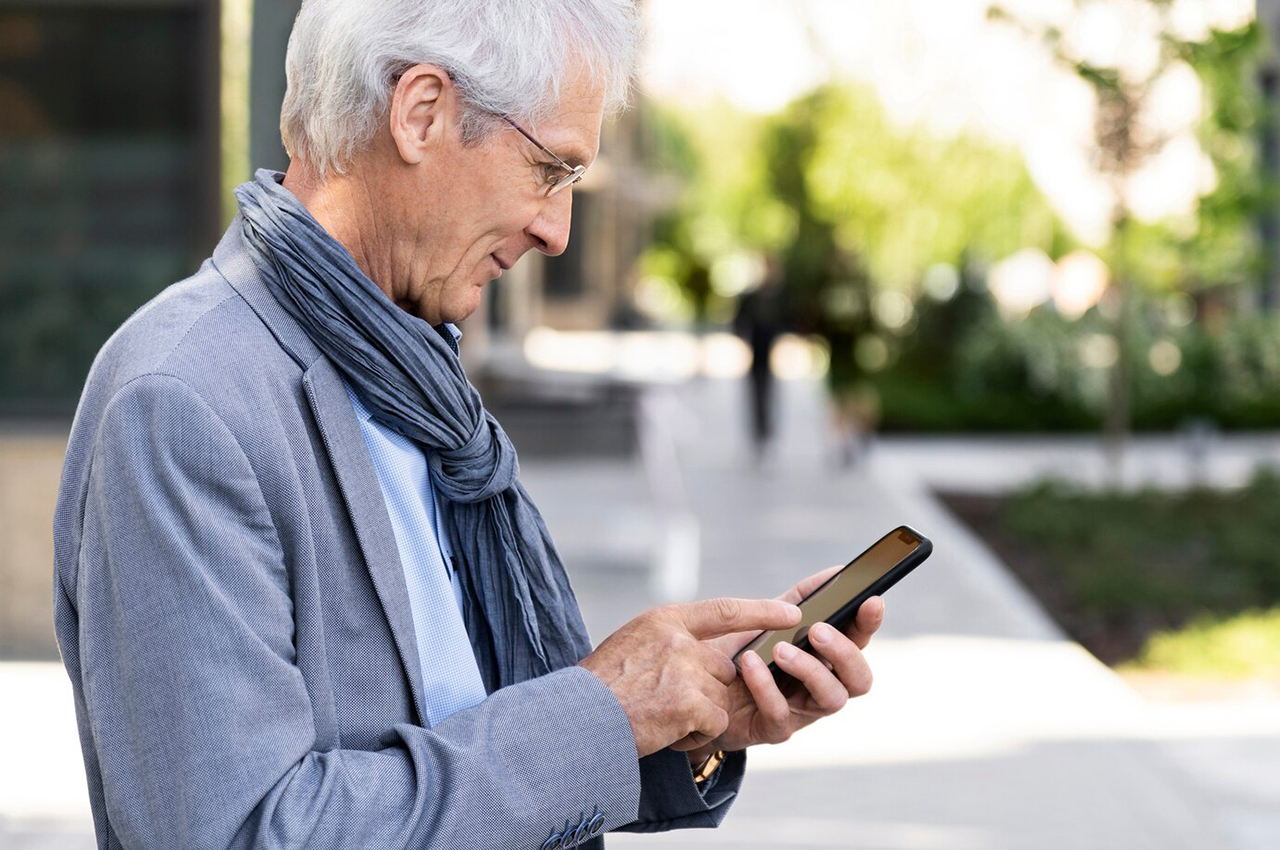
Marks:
<point>568,180</point>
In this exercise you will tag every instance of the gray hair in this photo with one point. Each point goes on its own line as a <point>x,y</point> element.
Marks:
<point>507,57</point>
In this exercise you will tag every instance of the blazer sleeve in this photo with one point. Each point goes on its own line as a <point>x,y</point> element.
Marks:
<point>670,799</point>
<point>200,720</point>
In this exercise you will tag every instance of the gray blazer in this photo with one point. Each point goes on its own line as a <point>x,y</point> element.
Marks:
<point>232,612</point>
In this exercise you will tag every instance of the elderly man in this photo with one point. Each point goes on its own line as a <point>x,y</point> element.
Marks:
<point>302,597</point>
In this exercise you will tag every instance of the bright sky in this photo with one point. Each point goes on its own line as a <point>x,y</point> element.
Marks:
<point>943,63</point>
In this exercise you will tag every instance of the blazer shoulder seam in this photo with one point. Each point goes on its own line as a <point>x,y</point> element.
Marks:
<point>173,349</point>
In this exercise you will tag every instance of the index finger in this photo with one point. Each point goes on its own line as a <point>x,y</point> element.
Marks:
<point>724,615</point>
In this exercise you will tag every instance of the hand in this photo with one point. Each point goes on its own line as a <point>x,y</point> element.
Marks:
<point>672,682</point>
<point>762,713</point>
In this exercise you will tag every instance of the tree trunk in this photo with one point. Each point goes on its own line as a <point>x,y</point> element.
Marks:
<point>1119,416</point>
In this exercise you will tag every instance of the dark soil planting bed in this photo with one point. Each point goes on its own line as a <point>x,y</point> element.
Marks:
<point>1183,581</point>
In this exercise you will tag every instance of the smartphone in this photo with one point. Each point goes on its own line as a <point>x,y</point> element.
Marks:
<point>837,600</point>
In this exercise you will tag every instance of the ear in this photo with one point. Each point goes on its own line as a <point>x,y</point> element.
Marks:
<point>422,108</point>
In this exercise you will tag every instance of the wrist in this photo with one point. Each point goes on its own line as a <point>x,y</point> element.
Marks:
<point>705,768</point>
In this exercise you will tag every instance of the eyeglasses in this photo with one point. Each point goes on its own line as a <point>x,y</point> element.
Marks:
<point>574,174</point>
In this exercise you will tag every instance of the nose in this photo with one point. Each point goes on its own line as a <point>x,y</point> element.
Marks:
<point>550,229</point>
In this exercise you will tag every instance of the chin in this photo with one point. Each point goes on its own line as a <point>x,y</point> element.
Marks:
<point>463,307</point>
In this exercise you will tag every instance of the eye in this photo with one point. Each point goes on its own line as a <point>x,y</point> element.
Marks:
<point>554,172</point>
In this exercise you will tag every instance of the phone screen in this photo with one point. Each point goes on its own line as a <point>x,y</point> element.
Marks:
<point>827,600</point>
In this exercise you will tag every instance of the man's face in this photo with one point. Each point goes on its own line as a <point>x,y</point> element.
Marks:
<point>467,212</point>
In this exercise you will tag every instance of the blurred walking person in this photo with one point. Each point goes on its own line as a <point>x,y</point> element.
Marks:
<point>760,321</point>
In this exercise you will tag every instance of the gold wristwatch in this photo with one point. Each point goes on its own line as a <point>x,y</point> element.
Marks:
<point>703,771</point>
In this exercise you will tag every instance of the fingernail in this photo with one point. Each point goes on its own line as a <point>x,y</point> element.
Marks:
<point>821,632</point>
<point>786,650</point>
<point>793,610</point>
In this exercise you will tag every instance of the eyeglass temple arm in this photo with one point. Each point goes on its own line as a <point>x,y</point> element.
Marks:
<point>539,144</point>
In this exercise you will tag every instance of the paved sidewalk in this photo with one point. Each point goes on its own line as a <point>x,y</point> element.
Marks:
<point>985,729</point>
<point>994,464</point>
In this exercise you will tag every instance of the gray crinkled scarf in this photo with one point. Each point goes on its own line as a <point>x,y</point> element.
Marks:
<point>520,612</point>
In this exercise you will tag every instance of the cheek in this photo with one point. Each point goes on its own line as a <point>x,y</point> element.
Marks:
<point>489,224</point>
<point>499,195</point>
<point>510,212</point>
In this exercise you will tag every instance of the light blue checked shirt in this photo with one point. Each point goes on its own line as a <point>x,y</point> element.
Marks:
<point>450,677</point>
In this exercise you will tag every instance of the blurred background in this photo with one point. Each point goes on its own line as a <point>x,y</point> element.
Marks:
<point>1006,271</point>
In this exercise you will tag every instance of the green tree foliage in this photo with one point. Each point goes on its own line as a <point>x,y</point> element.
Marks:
<point>1218,246</point>
<point>853,203</point>
<point>875,206</point>
<point>1215,245</point>
<point>858,208</point>
<point>1223,248</point>
<point>725,204</point>
<point>906,199</point>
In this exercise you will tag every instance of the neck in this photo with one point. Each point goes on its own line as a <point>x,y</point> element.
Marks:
<point>343,205</point>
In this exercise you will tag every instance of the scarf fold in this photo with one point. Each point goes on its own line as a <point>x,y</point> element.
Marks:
<point>521,614</point>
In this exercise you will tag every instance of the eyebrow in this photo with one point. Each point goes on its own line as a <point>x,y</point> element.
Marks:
<point>577,157</point>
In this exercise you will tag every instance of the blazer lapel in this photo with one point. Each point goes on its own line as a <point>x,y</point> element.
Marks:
<point>345,447</point>
<point>368,510</point>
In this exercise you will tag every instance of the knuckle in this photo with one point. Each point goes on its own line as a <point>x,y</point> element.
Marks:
<point>728,669</point>
<point>779,717</point>
<point>689,702</point>
<point>727,609</point>
<point>719,721</point>
<point>681,648</point>
<point>862,683</point>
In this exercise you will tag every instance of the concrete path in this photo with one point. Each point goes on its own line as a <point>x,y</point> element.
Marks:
<point>995,464</point>
<point>985,728</point>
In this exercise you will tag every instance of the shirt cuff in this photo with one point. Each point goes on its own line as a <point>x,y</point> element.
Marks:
<point>670,799</point>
